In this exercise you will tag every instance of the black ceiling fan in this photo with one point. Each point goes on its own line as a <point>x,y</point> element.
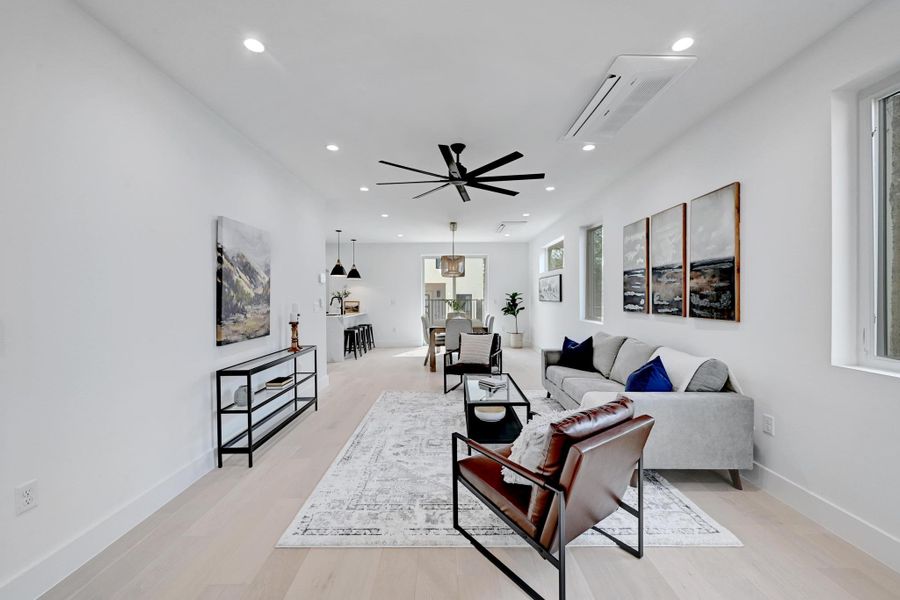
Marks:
<point>461,178</point>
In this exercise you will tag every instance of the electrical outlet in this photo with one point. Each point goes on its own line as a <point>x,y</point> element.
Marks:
<point>769,424</point>
<point>26,496</point>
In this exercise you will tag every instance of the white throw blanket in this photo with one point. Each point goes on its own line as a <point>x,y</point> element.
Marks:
<point>680,366</point>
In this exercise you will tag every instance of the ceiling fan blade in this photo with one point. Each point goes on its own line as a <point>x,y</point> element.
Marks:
<point>463,193</point>
<point>496,164</point>
<point>440,187</point>
<point>384,162</point>
<point>448,158</point>
<point>406,182</point>
<point>491,188</point>
<point>510,177</point>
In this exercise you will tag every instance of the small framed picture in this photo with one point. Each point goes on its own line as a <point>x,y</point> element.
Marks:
<point>351,307</point>
<point>550,288</point>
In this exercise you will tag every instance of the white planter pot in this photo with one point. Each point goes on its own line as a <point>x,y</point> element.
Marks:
<point>515,340</point>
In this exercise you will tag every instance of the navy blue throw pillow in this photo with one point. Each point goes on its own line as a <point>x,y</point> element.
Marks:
<point>651,377</point>
<point>578,356</point>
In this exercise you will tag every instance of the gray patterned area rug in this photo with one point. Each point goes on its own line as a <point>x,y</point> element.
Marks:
<point>390,487</point>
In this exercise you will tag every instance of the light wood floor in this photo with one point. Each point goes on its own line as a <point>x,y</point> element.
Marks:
<point>217,539</point>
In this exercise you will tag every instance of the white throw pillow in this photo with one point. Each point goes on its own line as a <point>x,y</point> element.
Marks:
<point>530,448</point>
<point>475,349</point>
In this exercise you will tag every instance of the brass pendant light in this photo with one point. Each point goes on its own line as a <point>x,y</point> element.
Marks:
<point>451,264</point>
<point>338,270</point>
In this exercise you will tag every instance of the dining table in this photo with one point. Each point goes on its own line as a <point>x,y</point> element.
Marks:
<point>441,327</point>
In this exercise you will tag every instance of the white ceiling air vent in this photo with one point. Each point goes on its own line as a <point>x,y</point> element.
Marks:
<point>630,84</point>
<point>503,225</point>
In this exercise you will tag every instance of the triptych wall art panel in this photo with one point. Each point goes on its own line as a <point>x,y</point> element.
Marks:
<point>635,255</point>
<point>715,255</point>
<point>667,258</point>
<point>714,287</point>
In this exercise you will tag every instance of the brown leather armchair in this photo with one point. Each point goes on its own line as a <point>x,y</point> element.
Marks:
<point>592,458</point>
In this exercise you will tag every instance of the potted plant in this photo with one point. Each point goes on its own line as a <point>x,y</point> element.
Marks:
<point>514,305</point>
<point>456,305</point>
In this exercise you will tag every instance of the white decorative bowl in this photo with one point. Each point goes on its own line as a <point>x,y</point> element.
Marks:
<point>490,414</point>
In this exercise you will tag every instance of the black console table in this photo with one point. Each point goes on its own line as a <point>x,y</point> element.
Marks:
<point>289,407</point>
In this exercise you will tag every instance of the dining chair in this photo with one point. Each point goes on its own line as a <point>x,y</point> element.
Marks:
<point>438,337</point>
<point>489,323</point>
<point>454,328</point>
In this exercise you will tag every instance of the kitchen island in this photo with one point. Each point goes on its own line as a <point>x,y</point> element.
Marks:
<point>334,333</point>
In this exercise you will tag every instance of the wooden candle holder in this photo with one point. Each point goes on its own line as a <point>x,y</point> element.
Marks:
<point>295,336</point>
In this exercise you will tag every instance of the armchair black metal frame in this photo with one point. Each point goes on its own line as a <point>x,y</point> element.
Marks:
<point>495,364</point>
<point>560,496</point>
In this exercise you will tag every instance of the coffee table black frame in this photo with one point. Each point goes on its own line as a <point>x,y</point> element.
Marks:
<point>507,429</point>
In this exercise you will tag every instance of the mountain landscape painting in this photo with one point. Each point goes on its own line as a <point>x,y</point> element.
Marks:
<point>242,282</point>
<point>667,258</point>
<point>715,255</point>
<point>634,266</point>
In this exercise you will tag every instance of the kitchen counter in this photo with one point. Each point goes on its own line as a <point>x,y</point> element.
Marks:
<point>334,333</point>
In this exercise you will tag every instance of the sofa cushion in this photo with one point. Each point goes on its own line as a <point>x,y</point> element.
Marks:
<point>710,377</point>
<point>577,355</point>
<point>651,377</point>
<point>632,355</point>
<point>564,434</point>
<point>606,347</point>
<point>577,387</point>
<point>558,374</point>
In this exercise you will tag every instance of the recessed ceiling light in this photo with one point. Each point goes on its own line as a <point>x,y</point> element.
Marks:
<point>364,189</point>
<point>505,235</point>
<point>588,147</point>
<point>549,188</point>
<point>682,44</point>
<point>384,215</point>
<point>399,235</point>
<point>254,45</point>
<point>526,214</point>
<point>332,147</point>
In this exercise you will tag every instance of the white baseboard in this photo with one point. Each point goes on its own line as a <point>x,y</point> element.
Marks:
<point>42,575</point>
<point>869,538</point>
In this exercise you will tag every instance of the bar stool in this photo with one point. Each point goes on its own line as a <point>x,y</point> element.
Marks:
<point>351,342</point>
<point>361,332</point>
<point>368,335</point>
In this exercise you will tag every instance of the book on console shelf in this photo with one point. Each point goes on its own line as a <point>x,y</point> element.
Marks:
<point>279,383</point>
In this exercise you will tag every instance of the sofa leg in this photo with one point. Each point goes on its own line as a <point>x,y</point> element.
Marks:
<point>548,395</point>
<point>735,478</point>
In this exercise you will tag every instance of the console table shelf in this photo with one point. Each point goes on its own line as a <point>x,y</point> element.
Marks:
<point>258,432</point>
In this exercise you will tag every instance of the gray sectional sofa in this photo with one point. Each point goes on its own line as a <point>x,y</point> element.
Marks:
<point>707,425</point>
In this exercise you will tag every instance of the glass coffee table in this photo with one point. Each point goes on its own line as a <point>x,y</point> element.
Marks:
<point>492,415</point>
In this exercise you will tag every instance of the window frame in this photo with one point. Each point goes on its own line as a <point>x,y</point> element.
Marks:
<point>872,198</point>
<point>587,292</point>
<point>545,255</point>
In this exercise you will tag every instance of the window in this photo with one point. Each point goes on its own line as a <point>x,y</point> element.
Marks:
<point>556,254</point>
<point>593,279</point>
<point>442,295</point>
<point>887,173</point>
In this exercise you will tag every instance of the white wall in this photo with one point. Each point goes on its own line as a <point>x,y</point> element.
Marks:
<point>836,449</point>
<point>391,287</point>
<point>111,178</point>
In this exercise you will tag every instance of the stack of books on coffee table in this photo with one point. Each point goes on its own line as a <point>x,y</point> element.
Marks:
<point>492,384</point>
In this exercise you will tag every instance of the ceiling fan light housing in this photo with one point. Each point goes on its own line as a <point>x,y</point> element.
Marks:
<point>453,266</point>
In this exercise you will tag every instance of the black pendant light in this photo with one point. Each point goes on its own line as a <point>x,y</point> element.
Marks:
<point>354,272</point>
<point>338,270</point>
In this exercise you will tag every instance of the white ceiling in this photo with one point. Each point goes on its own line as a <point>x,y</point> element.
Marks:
<point>391,79</point>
